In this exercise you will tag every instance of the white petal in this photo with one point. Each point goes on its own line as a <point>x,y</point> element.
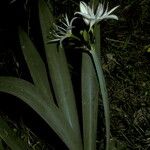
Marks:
<point>112,10</point>
<point>66,19</point>
<point>54,40</point>
<point>61,40</point>
<point>105,14</point>
<point>72,20</point>
<point>57,36</point>
<point>99,10</point>
<point>106,11</point>
<point>87,22</point>
<point>64,24</point>
<point>85,15</point>
<point>61,29</point>
<point>83,7</point>
<point>111,17</point>
<point>90,12</point>
<point>55,26</point>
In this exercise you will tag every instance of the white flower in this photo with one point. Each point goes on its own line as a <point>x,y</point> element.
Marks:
<point>91,18</point>
<point>60,33</point>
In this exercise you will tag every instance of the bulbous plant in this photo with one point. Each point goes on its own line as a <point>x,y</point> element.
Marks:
<point>63,118</point>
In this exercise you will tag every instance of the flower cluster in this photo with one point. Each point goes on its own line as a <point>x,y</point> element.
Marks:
<point>90,17</point>
<point>61,33</point>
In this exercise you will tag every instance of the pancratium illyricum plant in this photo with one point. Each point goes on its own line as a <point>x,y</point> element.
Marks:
<point>92,16</point>
<point>55,102</point>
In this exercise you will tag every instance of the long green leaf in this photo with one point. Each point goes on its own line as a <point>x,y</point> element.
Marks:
<point>35,65</point>
<point>33,97</point>
<point>59,73</point>
<point>10,138</point>
<point>96,54</point>
<point>90,93</point>
<point>103,88</point>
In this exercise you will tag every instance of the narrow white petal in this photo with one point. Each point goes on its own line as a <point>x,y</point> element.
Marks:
<point>61,28</point>
<point>112,10</point>
<point>54,40</point>
<point>83,7</point>
<point>72,20</point>
<point>87,22</point>
<point>54,32</point>
<point>61,40</point>
<point>66,19</point>
<point>90,12</point>
<point>106,11</point>
<point>55,26</point>
<point>61,33</point>
<point>105,14</point>
<point>57,36</point>
<point>111,17</point>
<point>92,8</point>
<point>70,27</point>
<point>99,11</point>
<point>85,15</point>
<point>64,24</point>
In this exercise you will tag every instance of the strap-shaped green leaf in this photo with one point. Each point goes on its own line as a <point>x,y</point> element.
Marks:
<point>96,55</point>
<point>90,94</point>
<point>90,91</point>
<point>59,73</point>
<point>10,138</point>
<point>35,64</point>
<point>50,113</point>
<point>104,93</point>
